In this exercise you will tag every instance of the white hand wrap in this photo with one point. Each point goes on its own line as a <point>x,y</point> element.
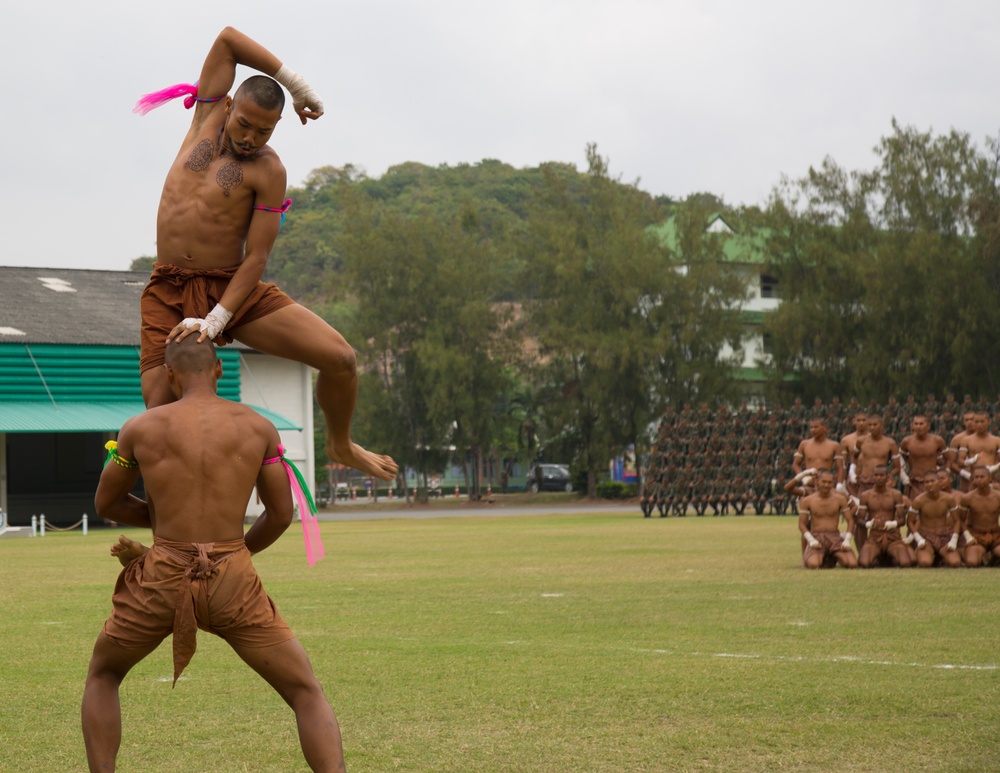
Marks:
<point>903,477</point>
<point>303,95</point>
<point>848,539</point>
<point>868,524</point>
<point>965,474</point>
<point>920,540</point>
<point>811,540</point>
<point>842,488</point>
<point>993,468</point>
<point>890,525</point>
<point>969,539</point>
<point>953,542</point>
<point>971,460</point>
<point>908,539</point>
<point>852,473</point>
<point>213,323</point>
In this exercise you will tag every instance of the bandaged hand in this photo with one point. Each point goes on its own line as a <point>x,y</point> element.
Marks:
<point>811,540</point>
<point>919,540</point>
<point>305,100</point>
<point>993,468</point>
<point>842,488</point>
<point>969,539</point>
<point>903,477</point>
<point>971,460</point>
<point>889,525</point>
<point>213,323</point>
<point>953,542</point>
<point>848,540</point>
<point>852,473</point>
<point>869,522</point>
<point>965,474</point>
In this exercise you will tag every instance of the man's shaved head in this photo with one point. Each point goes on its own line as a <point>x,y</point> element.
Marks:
<point>265,91</point>
<point>188,356</point>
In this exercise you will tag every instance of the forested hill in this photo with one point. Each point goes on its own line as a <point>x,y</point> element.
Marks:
<point>491,198</point>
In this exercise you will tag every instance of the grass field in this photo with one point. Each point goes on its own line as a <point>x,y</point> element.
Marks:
<point>598,642</point>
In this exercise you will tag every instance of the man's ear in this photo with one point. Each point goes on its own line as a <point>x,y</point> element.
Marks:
<point>218,369</point>
<point>170,373</point>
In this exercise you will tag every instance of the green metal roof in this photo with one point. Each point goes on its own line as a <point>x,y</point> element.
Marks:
<point>747,248</point>
<point>71,388</point>
<point>38,416</point>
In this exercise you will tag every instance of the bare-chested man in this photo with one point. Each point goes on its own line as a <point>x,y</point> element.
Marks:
<point>921,452</point>
<point>218,217</point>
<point>958,443</point>
<point>818,452</point>
<point>200,458</point>
<point>933,522</point>
<point>981,507</point>
<point>882,511</point>
<point>980,448</point>
<point>819,524</point>
<point>873,450</point>
<point>849,452</point>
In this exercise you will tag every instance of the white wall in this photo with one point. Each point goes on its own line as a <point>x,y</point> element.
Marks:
<point>285,387</point>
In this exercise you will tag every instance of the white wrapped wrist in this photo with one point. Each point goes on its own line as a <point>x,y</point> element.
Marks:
<point>303,95</point>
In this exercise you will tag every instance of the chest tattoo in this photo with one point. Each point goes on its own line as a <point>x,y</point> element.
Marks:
<point>201,157</point>
<point>229,177</point>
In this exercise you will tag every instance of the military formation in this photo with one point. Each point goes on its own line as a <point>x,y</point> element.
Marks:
<point>739,460</point>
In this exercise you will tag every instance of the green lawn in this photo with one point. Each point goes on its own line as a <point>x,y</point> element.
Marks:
<point>598,642</point>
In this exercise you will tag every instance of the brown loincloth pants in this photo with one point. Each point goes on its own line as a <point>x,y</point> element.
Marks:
<point>178,587</point>
<point>174,292</point>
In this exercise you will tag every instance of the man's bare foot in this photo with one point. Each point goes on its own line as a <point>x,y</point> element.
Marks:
<point>126,550</point>
<point>382,467</point>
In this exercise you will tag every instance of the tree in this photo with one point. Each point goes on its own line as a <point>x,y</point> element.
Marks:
<point>882,272</point>
<point>621,326</point>
<point>435,346</point>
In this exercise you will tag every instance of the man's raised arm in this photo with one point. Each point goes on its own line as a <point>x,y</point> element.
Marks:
<point>231,48</point>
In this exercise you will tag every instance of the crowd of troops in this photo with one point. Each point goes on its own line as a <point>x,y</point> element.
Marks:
<point>927,467</point>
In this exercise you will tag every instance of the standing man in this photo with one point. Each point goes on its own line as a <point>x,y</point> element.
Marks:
<point>921,452</point>
<point>818,451</point>
<point>200,458</point>
<point>217,221</point>
<point>982,448</point>
<point>849,452</point>
<point>957,447</point>
<point>873,450</point>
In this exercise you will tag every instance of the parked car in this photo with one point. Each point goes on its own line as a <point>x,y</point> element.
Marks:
<point>549,477</point>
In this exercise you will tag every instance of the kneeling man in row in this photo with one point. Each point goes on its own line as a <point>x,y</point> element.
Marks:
<point>819,523</point>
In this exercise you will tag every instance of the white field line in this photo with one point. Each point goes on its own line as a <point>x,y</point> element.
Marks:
<point>835,659</point>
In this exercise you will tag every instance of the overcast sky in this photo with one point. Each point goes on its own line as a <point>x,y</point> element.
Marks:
<point>684,96</point>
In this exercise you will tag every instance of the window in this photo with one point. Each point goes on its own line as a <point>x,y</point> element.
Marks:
<point>769,287</point>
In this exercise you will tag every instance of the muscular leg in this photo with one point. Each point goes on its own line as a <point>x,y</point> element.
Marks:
<point>101,710</point>
<point>925,556</point>
<point>900,554</point>
<point>295,333</point>
<point>974,555</point>
<point>287,669</point>
<point>846,559</point>
<point>950,557</point>
<point>155,389</point>
<point>868,556</point>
